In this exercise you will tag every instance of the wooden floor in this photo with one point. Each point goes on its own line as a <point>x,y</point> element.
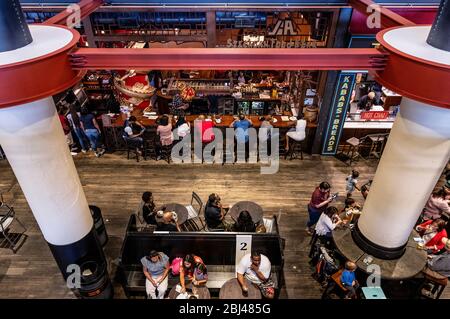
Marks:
<point>115,184</point>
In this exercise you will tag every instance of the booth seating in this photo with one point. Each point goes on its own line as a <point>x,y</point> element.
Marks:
<point>218,251</point>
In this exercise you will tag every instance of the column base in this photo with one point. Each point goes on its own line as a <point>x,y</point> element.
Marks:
<point>86,255</point>
<point>374,249</point>
<point>406,266</point>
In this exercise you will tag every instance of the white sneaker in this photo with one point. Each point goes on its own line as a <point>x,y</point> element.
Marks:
<point>74,153</point>
<point>84,151</point>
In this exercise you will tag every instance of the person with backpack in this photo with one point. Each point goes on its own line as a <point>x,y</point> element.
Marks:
<point>156,270</point>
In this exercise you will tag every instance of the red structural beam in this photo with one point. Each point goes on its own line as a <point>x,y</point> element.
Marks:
<point>225,59</point>
<point>389,18</point>
<point>86,8</point>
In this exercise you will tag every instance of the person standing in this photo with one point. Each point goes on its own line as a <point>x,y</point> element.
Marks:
<point>74,119</point>
<point>351,182</point>
<point>319,202</point>
<point>156,269</point>
<point>92,130</point>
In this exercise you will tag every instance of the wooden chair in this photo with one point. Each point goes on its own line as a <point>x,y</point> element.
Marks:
<point>131,149</point>
<point>433,284</point>
<point>335,285</point>
<point>295,147</point>
<point>194,221</point>
<point>10,239</point>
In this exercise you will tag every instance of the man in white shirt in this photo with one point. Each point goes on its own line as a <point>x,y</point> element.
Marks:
<point>256,268</point>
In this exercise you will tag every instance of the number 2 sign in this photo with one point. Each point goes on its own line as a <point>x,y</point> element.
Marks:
<point>243,247</point>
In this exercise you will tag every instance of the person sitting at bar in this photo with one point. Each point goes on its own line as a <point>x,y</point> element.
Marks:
<point>156,270</point>
<point>169,223</point>
<point>432,232</point>
<point>244,223</point>
<point>367,101</point>
<point>183,127</point>
<point>205,127</point>
<point>265,133</point>
<point>298,133</point>
<point>132,133</point>
<point>241,126</point>
<point>147,209</point>
<point>215,213</point>
<point>328,221</point>
<point>164,130</point>
<point>441,263</point>
<point>188,268</point>
<point>437,204</point>
<point>256,268</point>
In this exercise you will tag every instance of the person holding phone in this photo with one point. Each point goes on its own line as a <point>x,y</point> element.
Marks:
<point>319,202</point>
<point>328,221</point>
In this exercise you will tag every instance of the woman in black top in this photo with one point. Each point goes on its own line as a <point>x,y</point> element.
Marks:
<point>244,223</point>
<point>148,208</point>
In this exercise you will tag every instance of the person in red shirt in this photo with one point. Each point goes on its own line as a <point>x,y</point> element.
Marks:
<point>319,202</point>
<point>432,232</point>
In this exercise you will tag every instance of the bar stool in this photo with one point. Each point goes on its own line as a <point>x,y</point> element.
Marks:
<point>353,144</point>
<point>433,284</point>
<point>377,142</point>
<point>131,148</point>
<point>166,152</point>
<point>2,154</point>
<point>149,148</point>
<point>295,147</point>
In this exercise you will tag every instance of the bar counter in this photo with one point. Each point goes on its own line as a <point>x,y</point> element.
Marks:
<point>226,120</point>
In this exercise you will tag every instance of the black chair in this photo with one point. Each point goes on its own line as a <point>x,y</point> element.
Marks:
<point>132,148</point>
<point>295,147</point>
<point>194,221</point>
<point>11,239</point>
<point>149,149</point>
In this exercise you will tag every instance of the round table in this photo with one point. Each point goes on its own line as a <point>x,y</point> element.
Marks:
<point>202,292</point>
<point>254,209</point>
<point>232,290</point>
<point>181,211</point>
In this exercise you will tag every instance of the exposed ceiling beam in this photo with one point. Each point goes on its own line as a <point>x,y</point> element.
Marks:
<point>225,59</point>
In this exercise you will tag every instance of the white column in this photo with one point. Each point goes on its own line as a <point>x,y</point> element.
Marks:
<point>416,153</point>
<point>34,142</point>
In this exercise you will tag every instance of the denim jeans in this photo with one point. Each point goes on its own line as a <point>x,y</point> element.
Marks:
<point>314,216</point>
<point>81,138</point>
<point>94,137</point>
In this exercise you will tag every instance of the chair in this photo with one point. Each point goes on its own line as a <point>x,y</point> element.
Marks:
<point>194,221</point>
<point>2,154</point>
<point>131,148</point>
<point>149,146</point>
<point>294,148</point>
<point>433,284</point>
<point>7,217</point>
<point>377,142</point>
<point>354,144</point>
<point>335,285</point>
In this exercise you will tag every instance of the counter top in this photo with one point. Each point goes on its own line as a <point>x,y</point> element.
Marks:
<point>368,125</point>
<point>226,120</point>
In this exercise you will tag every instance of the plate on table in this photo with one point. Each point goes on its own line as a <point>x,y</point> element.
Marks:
<point>274,120</point>
<point>293,118</point>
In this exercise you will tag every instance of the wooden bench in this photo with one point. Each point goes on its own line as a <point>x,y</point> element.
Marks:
<point>218,251</point>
